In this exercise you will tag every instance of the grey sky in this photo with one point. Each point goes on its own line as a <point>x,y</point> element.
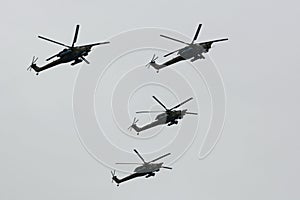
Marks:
<point>257,156</point>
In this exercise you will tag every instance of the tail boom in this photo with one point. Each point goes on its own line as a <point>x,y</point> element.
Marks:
<point>38,69</point>
<point>127,178</point>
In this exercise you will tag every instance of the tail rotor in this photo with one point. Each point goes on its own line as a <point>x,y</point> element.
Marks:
<point>113,174</point>
<point>154,58</point>
<point>34,59</point>
<point>34,66</point>
<point>135,120</point>
<point>114,178</point>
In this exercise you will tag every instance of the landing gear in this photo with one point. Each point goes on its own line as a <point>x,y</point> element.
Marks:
<point>37,73</point>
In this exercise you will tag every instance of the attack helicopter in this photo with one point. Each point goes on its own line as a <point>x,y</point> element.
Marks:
<point>69,54</point>
<point>193,51</point>
<point>147,169</point>
<point>168,116</point>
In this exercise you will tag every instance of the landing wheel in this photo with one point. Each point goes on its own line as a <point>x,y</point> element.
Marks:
<point>37,74</point>
<point>157,71</point>
<point>138,133</point>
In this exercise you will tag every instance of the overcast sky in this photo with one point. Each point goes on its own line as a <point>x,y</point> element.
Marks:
<point>257,156</point>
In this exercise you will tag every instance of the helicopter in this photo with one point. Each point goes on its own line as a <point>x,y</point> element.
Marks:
<point>169,116</point>
<point>193,51</point>
<point>146,169</point>
<point>70,53</point>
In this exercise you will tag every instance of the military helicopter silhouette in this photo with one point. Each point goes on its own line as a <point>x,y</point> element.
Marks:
<point>191,51</point>
<point>147,169</point>
<point>70,53</point>
<point>169,116</point>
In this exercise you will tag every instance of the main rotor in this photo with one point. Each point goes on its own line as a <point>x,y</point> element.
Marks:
<point>145,162</point>
<point>192,42</point>
<point>180,41</point>
<point>62,44</point>
<point>167,110</point>
<point>73,43</point>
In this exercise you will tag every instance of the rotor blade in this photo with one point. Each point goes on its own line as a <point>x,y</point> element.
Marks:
<point>135,120</point>
<point>113,175</point>
<point>139,155</point>
<point>197,33</point>
<point>166,167</point>
<point>220,40</point>
<point>95,44</point>
<point>156,159</point>
<point>145,111</point>
<point>160,102</point>
<point>129,163</point>
<point>182,103</point>
<point>59,43</point>
<point>171,52</point>
<point>76,35</point>
<point>34,59</point>
<point>191,113</point>
<point>170,38</point>
<point>153,57</point>
<point>85,60</point>
<point>100,43</point>
<point>212,41</point>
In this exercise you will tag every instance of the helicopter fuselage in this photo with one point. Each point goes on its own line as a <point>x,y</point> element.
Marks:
<point>194,51</point>
<point>148,168</point>
<point>171,117</point>
<point>68,55</point>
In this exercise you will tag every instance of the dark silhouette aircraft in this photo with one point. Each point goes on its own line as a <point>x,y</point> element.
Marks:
<point>70,53</point>
<point>147,169</point>
<point>193,51</point>
<point>168,116</point>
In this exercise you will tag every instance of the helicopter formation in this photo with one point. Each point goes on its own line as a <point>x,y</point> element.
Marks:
<point>169,116</point>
